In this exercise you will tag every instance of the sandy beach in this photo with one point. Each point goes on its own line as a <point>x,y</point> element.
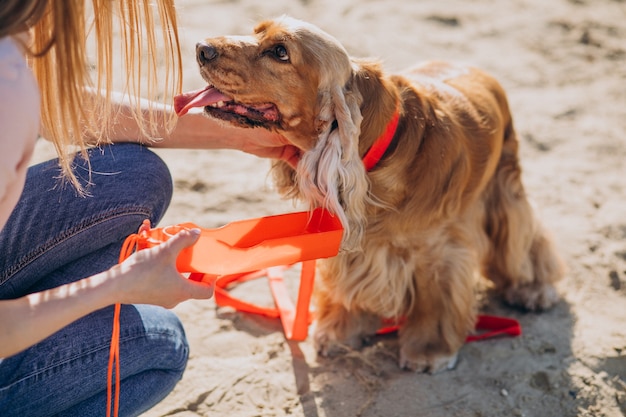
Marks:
<point>563,65</point>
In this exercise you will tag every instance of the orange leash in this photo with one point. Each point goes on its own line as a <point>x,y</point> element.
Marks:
<point>130,244</point>
<point>296,320</point>
<point>114,359</point>
<point>255,248</point>
<point>236,250</point>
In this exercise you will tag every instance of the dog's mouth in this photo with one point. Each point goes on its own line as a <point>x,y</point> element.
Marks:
<point>221,106</point>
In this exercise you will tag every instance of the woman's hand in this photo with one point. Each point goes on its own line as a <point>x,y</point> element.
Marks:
<point>194,130</point>
<point>150,276</point>
<point>266,144</point>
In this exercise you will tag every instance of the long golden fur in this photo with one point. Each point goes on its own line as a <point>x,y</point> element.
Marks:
<point>444,205</point>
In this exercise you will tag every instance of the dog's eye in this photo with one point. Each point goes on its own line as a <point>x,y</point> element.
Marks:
<point>280,52</point>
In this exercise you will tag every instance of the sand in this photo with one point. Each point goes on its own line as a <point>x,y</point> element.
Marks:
<point>563,64</point>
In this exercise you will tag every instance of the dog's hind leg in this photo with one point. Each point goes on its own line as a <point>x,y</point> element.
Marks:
<point>522,260</point>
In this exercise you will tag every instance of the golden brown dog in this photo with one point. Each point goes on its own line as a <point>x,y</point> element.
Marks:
<point>441,204</point>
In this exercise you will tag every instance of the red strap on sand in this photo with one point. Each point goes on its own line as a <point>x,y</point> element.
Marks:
<point>495,326</point>
<point>486,327</point>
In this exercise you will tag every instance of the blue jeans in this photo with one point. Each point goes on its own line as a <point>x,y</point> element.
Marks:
<point>54,237</point>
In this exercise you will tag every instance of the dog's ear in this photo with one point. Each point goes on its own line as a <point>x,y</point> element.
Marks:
<point>379,98</point>
<point>332,174</point>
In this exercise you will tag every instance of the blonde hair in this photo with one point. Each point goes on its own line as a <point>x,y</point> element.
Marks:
<point>73,50</point>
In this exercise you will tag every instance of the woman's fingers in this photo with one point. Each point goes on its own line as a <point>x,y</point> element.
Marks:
<point>161,283</point>
<point>291,155</point>
<point>181,240</point>
<point>200,290</point>
<point>145,226</point>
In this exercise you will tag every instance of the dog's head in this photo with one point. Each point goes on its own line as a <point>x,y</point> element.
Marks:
<point>292,77</point>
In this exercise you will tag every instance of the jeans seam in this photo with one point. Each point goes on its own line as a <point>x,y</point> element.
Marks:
<point>69,233</point>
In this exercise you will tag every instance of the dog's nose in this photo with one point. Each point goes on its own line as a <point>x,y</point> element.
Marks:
<point>205,52</point>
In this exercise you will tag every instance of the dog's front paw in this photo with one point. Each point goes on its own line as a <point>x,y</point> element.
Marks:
<point>532,297</point>
<point>327,345</point>
<point>427,363</point>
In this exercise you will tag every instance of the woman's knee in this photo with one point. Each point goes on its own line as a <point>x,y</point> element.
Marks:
<point>152,339</point>
<point>134,171</point>
<point>125,183</point>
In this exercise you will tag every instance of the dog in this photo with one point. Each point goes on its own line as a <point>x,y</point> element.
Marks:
<point>422,169</point>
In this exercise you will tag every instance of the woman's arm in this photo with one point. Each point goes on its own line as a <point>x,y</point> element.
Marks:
<point>195,131</point>
<point>147,277</point>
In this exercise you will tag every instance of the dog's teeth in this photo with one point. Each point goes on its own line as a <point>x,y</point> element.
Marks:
<point>220,104</point>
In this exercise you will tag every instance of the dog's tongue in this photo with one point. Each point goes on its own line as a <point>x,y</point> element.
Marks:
<point>199,98</point>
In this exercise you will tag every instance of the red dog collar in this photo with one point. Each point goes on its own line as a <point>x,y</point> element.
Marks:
<point>381,144</point>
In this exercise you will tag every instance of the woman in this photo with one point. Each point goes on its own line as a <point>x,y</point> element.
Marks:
<point>60,242</point>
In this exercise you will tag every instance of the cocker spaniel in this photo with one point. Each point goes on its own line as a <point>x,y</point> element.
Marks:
<point>422,168</point>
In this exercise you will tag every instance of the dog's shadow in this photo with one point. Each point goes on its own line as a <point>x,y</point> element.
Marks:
<point>493,377</point>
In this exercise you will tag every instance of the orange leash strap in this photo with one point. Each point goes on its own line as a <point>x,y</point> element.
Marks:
<point>263,247</point>
<point>130,244</point>
<point>114,359</point>
<point>240,251</point>
<point>295,318</point>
